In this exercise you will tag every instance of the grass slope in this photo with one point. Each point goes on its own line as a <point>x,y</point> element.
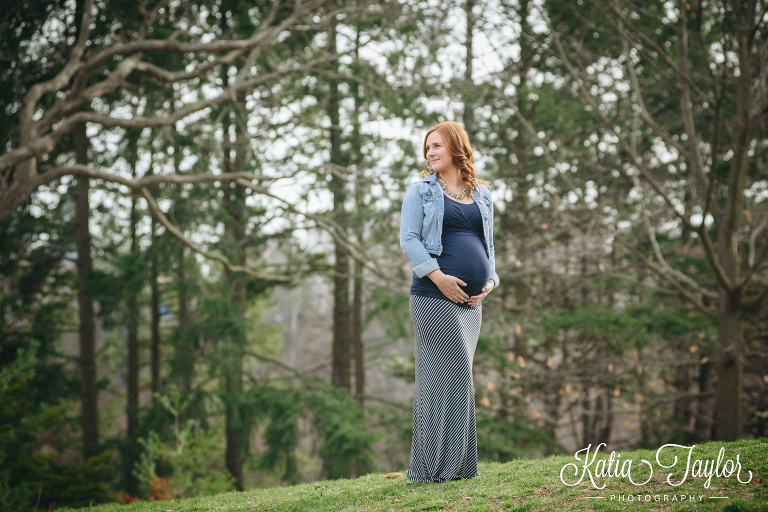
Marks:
<point>520,485</point>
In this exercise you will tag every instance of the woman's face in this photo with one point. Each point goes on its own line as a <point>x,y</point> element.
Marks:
<point>437,152</point>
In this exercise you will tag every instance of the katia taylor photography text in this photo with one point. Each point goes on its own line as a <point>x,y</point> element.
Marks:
<point>681,468</point>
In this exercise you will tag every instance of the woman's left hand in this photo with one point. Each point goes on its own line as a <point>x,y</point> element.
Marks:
<point>474,301</point>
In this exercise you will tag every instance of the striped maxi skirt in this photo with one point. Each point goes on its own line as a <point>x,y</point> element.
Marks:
<point>444,443</point>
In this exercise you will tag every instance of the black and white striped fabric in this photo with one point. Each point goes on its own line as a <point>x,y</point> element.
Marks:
<point>444,443</point>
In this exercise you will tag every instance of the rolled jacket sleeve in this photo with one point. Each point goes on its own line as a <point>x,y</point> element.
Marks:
<point>411,219</point>
<point>492,255</point>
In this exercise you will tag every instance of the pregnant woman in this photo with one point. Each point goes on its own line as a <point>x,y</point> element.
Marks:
<point>446,231</point>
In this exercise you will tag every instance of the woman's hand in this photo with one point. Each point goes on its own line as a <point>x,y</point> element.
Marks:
<point>449,285</point>
<point>474,301</point>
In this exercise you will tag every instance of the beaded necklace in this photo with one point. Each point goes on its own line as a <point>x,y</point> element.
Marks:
<point>448,191</point>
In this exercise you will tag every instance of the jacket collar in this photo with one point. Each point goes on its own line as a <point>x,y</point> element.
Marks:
<point>432,178</point>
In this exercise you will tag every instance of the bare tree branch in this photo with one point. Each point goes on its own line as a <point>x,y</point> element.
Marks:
<point>643,110</point>
<point>658,269</point>
<point>242,179</point>
<point>757,299</point>
<point>328,225</point>
<point>638,163</point>
<point>661,53</point>
<point>636,160</point>
<point>177,76</point>
<point>147,181</point>
<point>141,185</point>
<point>37,91</point>
<point>666,267</point>
<point>18,167</point>
<point>46,143</point>
<point>73,102</point>
<point>760,90</point>
<point>694,150</point>
<point>754,263</point>
<point>176,232</point>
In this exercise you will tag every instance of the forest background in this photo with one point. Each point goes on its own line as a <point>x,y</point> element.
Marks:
<point>201,286</point>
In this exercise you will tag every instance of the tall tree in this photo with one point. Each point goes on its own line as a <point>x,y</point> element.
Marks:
<point>134,279</point>
<point>710,120</point>
<point>468,115</point>
<point>340,351</point>
<point>154,302</point>
<point>94,70</point>
<point>87,324</point>
<point>233,154</point>
<point>87,327</point>
<point>361,188</point>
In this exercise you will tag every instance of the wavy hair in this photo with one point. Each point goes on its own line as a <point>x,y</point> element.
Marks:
<point>457,142</point>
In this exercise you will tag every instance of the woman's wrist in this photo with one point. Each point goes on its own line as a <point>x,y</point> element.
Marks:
<point>435,275</point>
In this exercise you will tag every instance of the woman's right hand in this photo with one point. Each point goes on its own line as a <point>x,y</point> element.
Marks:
<point>449,285</point>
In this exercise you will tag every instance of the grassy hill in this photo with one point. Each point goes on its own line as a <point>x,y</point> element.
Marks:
<point>523,485</point>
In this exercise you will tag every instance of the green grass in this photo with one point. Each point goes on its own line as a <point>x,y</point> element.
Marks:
<point>521,485</point>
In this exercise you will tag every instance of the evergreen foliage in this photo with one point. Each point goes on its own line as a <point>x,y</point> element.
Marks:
<point>626,147</point>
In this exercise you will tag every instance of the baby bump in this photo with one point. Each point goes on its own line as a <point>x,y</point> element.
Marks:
<point>464,257</point>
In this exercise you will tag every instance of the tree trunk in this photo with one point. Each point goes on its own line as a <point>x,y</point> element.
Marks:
<point>553,399</point>
<point>340,372</point>
<point>183,353</point>
<point>361,188</point>
<point>87,329</point>
<point>342,317</point>
<point>155,318</point>
<point>184,357</point>
<point>233,382</point>
<point>236,432</point>
<point>513,291</point>
<point>684,408</point>
<point>357,350</point>
<point>704,410</point>
<point>132,409</point>
<point>132,405</point>
<point>154,303</point>
<point>357,332</point>
<point>469,118</point>
<point>681,409</point>
<point>728,399</point>
<point>293,307</point>
<point>606,419</point>
<point>587,420</point>
<point>519,207</point>
<point>234,205</point>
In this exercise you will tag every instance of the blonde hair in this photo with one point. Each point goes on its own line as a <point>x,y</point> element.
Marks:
<point>457,142</point>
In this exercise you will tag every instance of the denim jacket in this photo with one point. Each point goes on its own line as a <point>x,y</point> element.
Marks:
<point>421,225</point>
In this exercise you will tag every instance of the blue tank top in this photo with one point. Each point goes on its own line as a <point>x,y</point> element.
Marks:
<point>463,253</point>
